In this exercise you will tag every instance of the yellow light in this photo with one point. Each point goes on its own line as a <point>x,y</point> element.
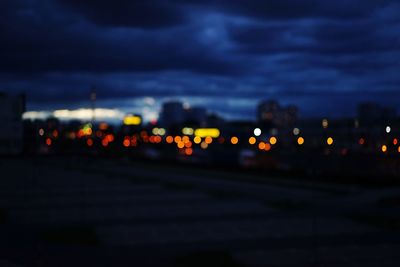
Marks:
<point>252,140</point>
<point>273,140</point>
<point>384,148</point>
<point>197,139</point>
<point>187,131</point>
<point>329,141</point>
<point>300,140</point>
<point>204,132</point>
<point>234,140</point>
<point>132,120</point>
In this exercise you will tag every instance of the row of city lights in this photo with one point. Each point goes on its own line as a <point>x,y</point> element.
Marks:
<point>184,142</point>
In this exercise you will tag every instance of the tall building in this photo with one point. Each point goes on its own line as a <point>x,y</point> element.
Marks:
<point>11,134</point>
<point>172,114</point>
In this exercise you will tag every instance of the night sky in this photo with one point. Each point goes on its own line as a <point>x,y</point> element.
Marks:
<point>324,56</point>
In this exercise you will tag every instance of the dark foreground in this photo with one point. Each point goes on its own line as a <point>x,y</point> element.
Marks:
<point>86,212</point>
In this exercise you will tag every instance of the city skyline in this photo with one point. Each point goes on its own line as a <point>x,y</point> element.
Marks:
<point>323,57</point>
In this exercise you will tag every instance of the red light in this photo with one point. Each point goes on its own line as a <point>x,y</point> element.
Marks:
<point>104,142</point>
<point>126,143</point>
<point>89,142</point>
<point>49,141</point>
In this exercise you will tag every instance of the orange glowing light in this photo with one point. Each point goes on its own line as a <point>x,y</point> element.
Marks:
<point>104,142</point>
<point>208,140</point>
<point>55,133</point>
<point>197,139</point>
<point>110,137</point>
<point>188,144</point>
<point>252,140</point>
<point>261,145</point>
<point>188,151</point>
<point>267,147</point>
<point>185,139</point>
<point>181,144</point>
<point>361,141</point>
<point>398,149</point>
<point>273,140</point>
<point>89,142</point>
<point>234,140</point>
<point>300,141</point>
<point>177,139</point>
<point>49,141</point>
<point>384,148</point>
<point>169,139</point>
<point>126,142</point>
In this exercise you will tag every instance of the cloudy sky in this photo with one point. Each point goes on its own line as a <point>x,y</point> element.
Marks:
<point>324,56</point>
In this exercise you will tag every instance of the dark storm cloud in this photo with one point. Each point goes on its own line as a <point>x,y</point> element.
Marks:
<point>228,49</point>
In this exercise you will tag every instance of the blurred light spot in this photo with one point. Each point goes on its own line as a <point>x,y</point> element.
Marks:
<point>49,141</point>
<point>169,139</point>
<point>296,131</point>
<point>204,145</point>
<point>252,140</point>
<point>384,148</point>
<point>300,140</point>
<point>325,123</point>
<point>267,147</point>
<point>388,129</point>
<point>234,140</point>
<point>329,141</point>
<point>89,142</point>
<point>273,140</point>
<point>208,140</point>
<point>261,146</point>
<point>257,131</point>
<point>132,120</point>
<point>188,151</point>
<point>197,139</point>
<point>187,131</point>
<point>41,132</point>
<point>361,141</point>
<point>204,132</point>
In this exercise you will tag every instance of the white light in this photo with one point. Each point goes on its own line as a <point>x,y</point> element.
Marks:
<point>296,131</point>
<point>257,131</point>
<point>388,129</point>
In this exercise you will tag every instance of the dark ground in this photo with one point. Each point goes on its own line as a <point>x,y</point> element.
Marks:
<point>103,212</point>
